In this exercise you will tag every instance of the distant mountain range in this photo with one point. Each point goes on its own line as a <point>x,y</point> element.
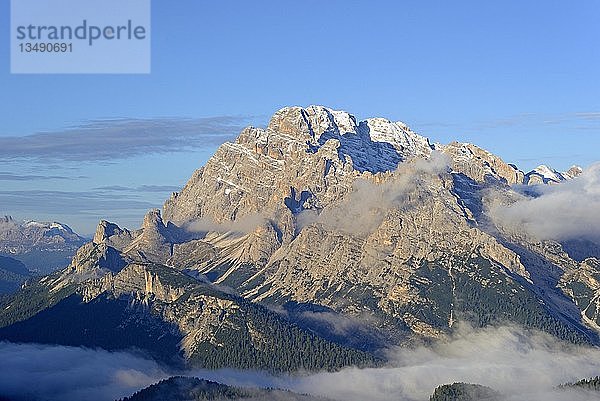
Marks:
<point>316,243</point>
<point>42,246</point>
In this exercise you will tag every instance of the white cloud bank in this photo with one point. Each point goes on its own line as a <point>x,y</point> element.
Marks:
<point>566,211</point>
<point>523,366</point>
<point>57,373</point>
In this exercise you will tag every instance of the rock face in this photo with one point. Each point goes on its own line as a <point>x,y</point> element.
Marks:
<point>168,314</point>
<point>547,175</point>
<point>363,232</point>
<point>480,165</point>
<point>309,156</point>
<point>43,247</point>
<point>582,283</point>
<point>367,219</point>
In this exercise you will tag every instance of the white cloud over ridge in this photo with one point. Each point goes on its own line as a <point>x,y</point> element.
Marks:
<point>363,210</point>
<point>566,211</point>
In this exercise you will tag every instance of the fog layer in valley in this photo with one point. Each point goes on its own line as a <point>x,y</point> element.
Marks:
<point>523,366</point>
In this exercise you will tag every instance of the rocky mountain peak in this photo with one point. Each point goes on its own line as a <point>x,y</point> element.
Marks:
<point>338,220</point>
<point>315,125</point>
<point>479,164</point>
<point>106,230</point>
<point>153,221</point>
<point>311,122</point>
<point>318,153</point>
<point>16,238</point>
<point>153,241</point>
<point>574,171</point>
<point>6,219</point>
<point>544,174</point>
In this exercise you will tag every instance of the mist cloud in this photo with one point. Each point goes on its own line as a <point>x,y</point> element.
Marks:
<point>522,365</point>
<point>337,323</point>
<point>8,176</point>
<point>363,210</point>
<point>569,210</point>
<point>57,373</point>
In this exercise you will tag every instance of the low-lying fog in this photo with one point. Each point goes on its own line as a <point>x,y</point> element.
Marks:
<point>523,366</point>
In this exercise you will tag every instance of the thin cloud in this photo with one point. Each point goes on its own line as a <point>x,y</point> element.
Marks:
<point>108,140</point>
<point>158,188</point>
<point>578,120</point>
<point>80,209</point>
<point>141,188</point>
<point>567,119</point>
<point>7,176</point>
<point>68,202</point>
<point>593,115</point>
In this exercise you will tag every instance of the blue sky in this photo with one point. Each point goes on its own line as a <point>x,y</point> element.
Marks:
<point>518,78</point>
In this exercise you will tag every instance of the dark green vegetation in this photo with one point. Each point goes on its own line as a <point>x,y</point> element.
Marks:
<point>186,388</point>
<point>30,300</point>
<point>285,347</point>
<point>592,384</point>
<point>485,295</point>
<point>355,333</point>
<point>505,300</point>
<point>203,327</point>
<point>12,274</point>
<point>464,392</point>
<point>112,324</point>
<point>193,389</point>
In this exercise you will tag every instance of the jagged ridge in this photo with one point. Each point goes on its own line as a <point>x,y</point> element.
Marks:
<point>363,232</point>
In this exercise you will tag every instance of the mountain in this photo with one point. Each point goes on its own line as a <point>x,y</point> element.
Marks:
<point>336,236</point>
<point>546,175</point>
<point>105,300</point>
<point>464,392</point>
<point>42,247</point>
<point>193,389</point>
<point>371,221</point>
<point>13,273</point>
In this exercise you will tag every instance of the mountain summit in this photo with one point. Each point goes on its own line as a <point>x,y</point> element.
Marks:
<point>349,236</point>
<point>42,246</point>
